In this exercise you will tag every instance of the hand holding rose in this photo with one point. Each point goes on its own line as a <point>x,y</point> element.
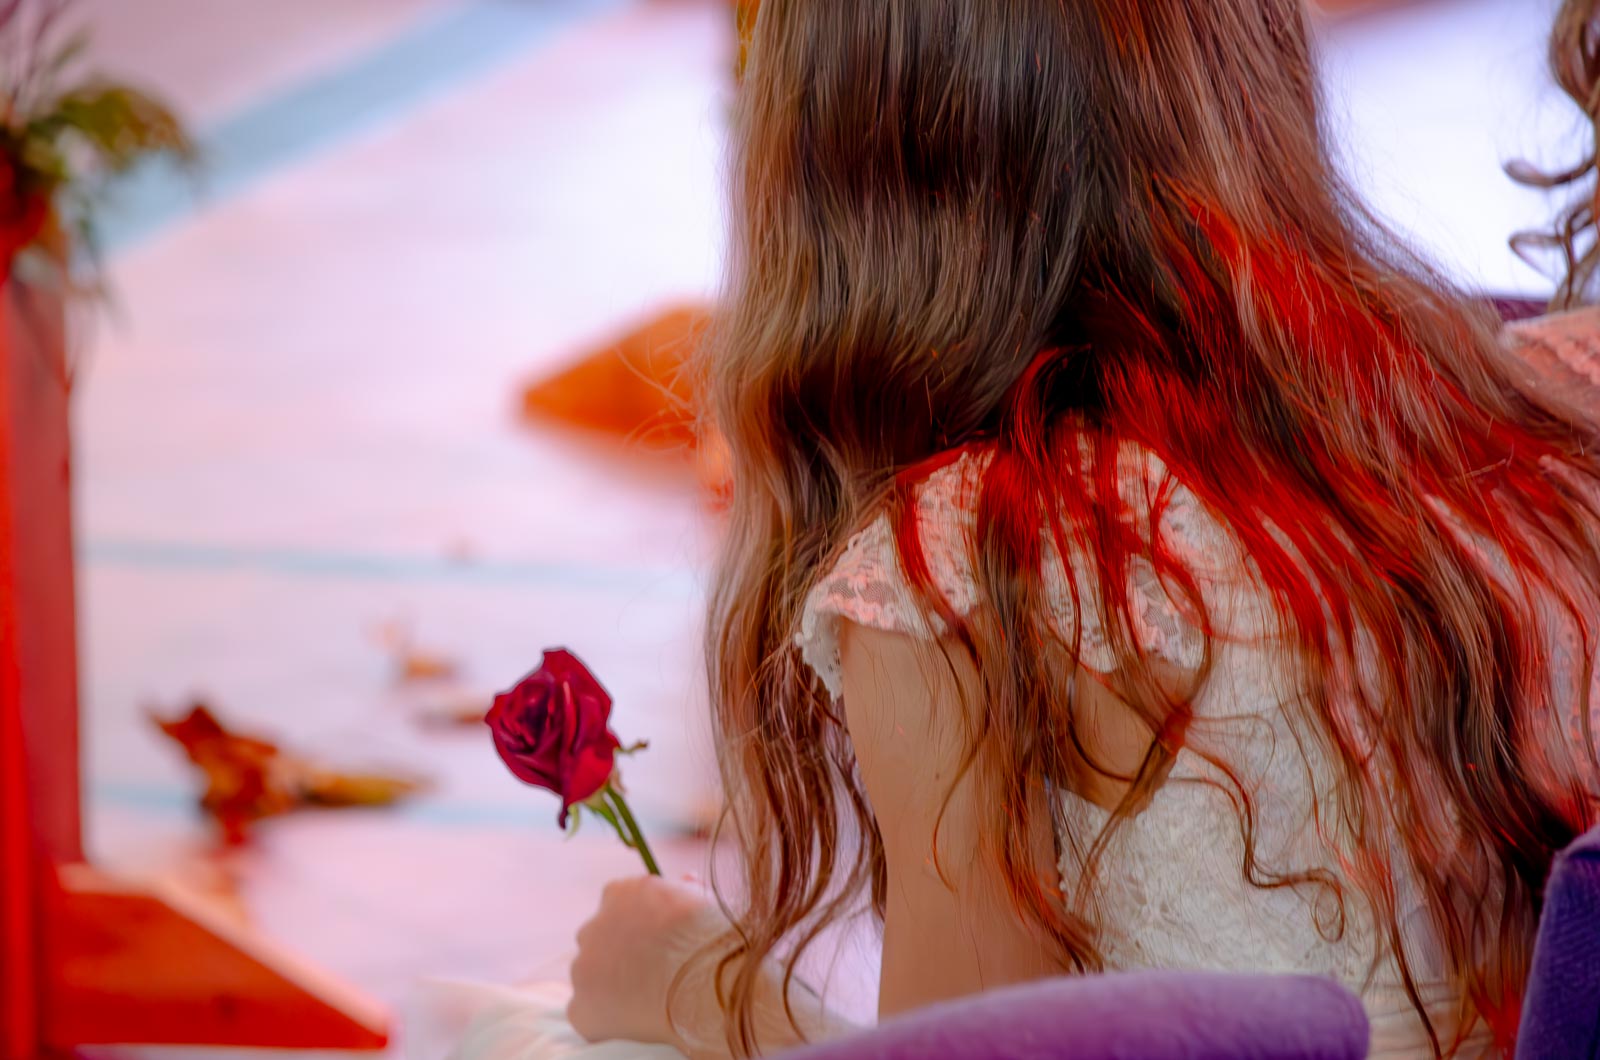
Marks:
<point>651,946</point>
<point>631,952</point>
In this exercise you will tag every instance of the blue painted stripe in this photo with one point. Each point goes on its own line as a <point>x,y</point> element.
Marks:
<point>307,563</point>
<point>418,66</point>
<point>165,800</point>
<point>151,798</point>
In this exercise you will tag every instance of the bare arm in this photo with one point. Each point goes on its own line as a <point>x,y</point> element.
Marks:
<point>960,934</point>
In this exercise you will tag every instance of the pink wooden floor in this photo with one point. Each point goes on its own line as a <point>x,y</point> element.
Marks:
<point>299,426</point>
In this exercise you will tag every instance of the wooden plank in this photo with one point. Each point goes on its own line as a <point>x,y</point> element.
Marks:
<point>156,964</point>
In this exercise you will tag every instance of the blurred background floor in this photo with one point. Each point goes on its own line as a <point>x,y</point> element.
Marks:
<point>301,423</point>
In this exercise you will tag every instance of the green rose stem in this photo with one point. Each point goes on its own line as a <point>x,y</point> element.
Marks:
<point>610,805</point>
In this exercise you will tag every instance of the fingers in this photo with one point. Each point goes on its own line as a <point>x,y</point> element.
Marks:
<point>645,909</point>
<point>628,886</point>
<point>586,1009</point>
<point>580,1014</point>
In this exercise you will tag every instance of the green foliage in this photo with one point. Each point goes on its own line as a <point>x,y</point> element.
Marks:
<point>119,125</point>
<point>66,136</point>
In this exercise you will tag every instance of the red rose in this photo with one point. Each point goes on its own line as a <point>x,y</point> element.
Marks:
<point>552,730</point>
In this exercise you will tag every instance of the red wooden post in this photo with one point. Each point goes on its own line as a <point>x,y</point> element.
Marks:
<point>39,509</point>
<point>19,838</point>
<point>38,664</point>
<point>84,957</point>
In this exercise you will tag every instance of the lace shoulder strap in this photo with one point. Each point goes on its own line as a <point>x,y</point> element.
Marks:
<point>1563,350</point>
<point>868,586</point>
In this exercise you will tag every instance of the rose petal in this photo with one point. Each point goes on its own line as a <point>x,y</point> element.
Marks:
<point>565,668</point>
<point>567,711</point>
<point>591,768</point>
<point>526,767</point>
<point>590,730</point>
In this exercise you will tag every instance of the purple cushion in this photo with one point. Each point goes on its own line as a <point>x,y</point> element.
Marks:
<point>1143,1015</point>
<point>1561,1010</point>
<point>1513,309</point>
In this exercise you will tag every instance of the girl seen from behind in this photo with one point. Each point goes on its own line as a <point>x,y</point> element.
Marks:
<point>1136,558</point>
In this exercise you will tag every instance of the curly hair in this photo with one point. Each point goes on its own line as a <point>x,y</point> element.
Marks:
<point>1575,64</point>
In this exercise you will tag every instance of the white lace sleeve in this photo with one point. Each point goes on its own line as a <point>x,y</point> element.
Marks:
<point>868,586</point>
<point>1563,354</point>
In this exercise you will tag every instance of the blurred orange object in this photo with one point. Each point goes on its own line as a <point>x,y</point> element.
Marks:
<point>157,962</point>
<point>638,388</point>
<point>635,387</point>
<point>412,664</point>
<point>242,784</point>
<point>248,778</point>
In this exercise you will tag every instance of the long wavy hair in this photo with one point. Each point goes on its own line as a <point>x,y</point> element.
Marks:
<point>1575,65</point>
<point>1047,229</point>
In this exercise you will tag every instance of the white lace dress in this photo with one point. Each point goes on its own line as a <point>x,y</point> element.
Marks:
<point>1170,892</point>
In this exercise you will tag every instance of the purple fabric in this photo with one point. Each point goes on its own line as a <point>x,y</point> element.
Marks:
<point>1134,1016</point>
<point>1561,1010</point>
<point>1513,309</point>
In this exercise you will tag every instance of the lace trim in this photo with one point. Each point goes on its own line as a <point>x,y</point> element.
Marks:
<point>867,585</point>
<point>1570,340</point>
